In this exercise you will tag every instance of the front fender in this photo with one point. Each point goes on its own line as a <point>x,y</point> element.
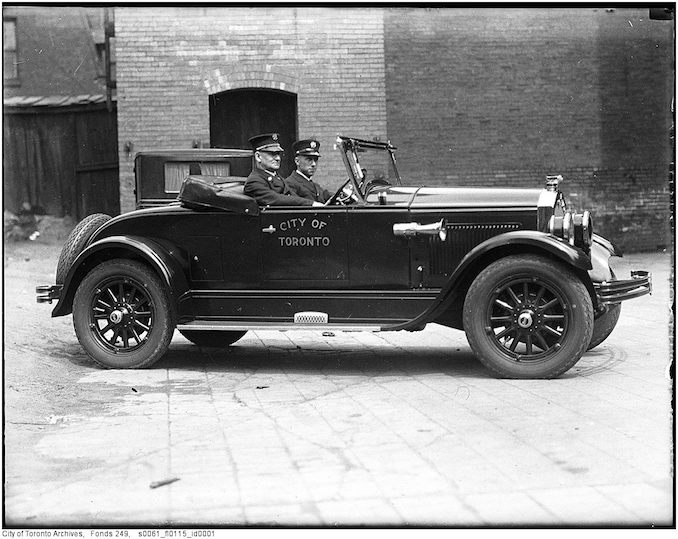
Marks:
<point>519,241</point>
<point>532,239</point>
<point>601,251</point>
<point>600,257</point>
<point>163,258</point>
<point>607,245</point>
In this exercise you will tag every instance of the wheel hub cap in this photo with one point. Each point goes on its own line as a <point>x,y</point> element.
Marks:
<point>525,319</point>
<point>528,319</point>
<point>123,314</point>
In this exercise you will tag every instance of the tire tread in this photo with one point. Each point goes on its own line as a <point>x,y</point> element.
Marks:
<point>141,272</point>
<point>547,266</point>
<point>76,242</point>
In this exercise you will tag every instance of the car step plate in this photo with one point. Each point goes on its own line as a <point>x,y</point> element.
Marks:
<point>311,317</point>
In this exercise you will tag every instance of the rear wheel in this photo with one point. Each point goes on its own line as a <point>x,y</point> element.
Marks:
<point>122,315</point>
<point>212,339</point>
<point>526,316</point>
<point>76,241</point>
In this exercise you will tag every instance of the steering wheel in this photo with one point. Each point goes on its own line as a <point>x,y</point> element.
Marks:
<point>343,196</point>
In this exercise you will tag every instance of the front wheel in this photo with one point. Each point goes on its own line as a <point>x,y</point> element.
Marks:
<point>122,315</point>
<point>604,325</point>
<point>212,339</point>
<point>526,316</point>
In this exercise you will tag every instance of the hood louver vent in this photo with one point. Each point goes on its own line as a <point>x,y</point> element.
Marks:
<point>444,256</point>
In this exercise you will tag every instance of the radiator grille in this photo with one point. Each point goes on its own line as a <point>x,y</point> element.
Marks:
<point>461,238</point>
<point>310,317</point>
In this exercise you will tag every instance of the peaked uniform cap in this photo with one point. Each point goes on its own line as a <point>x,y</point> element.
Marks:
<point>306,147</point>
<point>268,142</point>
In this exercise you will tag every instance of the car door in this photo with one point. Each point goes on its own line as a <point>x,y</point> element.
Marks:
<point>304,247</point>
<point>380,266</point>
<point>222,248</point>
<point>378,259</point>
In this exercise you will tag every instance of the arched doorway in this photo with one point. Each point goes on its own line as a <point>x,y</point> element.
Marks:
<point>237,115</point>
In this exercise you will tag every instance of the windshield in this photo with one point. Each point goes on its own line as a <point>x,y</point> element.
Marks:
<point>370,163</point>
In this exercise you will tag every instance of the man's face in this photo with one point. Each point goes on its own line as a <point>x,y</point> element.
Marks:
<point>268,160</point>
<point>306,164</point>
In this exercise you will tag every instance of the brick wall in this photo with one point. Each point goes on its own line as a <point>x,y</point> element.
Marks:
<point>629,206</point>
<point>55,51</point>
<point>169,60</point>
<point>506,96</point>
<point>470,96</point>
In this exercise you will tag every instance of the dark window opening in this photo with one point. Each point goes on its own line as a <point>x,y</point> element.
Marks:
<point>10,55</point>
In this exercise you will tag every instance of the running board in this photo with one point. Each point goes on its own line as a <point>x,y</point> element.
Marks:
<point>201,325</point>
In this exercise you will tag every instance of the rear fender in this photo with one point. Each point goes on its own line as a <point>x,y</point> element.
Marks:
<point>164,258</point>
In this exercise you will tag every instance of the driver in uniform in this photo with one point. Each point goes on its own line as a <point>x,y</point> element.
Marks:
<point>264,184</point>
<point>307,153</point>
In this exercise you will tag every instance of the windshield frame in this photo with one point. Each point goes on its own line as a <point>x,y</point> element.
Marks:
<point>350,147</point>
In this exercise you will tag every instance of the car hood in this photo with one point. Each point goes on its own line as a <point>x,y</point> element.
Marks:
<point>458,197</point>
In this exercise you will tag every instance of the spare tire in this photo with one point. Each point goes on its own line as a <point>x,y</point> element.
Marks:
<point>76,242</point>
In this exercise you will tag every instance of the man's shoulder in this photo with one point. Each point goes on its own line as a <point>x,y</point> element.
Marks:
<point>262,176</point>
<point>294,177</point>
<point>255,175</point>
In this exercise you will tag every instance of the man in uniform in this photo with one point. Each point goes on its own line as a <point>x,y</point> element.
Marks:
<point>264,184</point>
<point>307,153</point>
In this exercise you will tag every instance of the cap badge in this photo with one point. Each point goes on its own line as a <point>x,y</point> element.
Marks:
<point>275,136</point>
<point>313,144</point>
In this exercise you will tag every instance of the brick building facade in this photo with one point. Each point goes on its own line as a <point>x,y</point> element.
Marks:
<point>470,96</point>
<point>171,60</point>
<point>513,94</point>
<point>53,50</point>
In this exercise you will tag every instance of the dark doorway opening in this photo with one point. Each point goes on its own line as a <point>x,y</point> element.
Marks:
<point>237,115</point>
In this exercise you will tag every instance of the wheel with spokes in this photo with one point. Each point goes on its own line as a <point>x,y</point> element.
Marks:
<point>122,315</point>
<point>526,316</point>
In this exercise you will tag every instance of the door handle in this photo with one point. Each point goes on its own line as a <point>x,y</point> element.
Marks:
<point>270,230</point>
<point>414,229</point>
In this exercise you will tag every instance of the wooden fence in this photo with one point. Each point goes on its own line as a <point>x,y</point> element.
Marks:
<point>63,159</point>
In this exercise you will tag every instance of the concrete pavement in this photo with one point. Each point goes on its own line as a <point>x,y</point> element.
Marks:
<point>299,428</point>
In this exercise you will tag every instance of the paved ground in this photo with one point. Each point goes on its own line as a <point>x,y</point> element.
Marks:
<point>306,429</point>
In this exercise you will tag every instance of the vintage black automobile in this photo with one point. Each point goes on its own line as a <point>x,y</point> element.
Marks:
<point>525,278</point>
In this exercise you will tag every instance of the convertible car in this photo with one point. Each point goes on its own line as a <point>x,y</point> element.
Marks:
<point>525,278</point>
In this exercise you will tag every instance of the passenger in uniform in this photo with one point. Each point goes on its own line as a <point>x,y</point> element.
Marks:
<point>264,184</point>
<point>307,153</point>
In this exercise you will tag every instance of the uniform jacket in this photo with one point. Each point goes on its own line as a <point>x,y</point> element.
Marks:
<point>300,186</point>
<point>269,189</point>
